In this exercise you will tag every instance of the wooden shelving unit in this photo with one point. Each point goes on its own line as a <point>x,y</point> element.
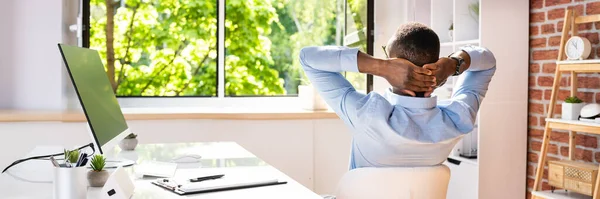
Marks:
<point>573,126</point>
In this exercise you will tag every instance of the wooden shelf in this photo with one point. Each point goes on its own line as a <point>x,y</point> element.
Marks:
<point>573,125</point>
<point>559,194</point>
<point>580,66</point>
<point>585,61</point>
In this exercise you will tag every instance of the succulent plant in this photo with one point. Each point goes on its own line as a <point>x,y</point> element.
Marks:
<point>71,156</point>
<point>98,162</point>
<point>131,136</point>
<point>573,99</point>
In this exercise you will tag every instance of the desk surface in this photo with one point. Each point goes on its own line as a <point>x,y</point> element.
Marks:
<point>33,179</point>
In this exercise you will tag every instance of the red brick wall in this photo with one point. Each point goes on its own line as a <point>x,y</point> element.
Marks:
<point>546,21</point>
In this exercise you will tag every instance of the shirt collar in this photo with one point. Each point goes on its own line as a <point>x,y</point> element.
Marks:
<point>411,102</point>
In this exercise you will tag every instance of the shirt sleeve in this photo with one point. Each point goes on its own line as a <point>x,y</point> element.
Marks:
<point>471,87</point>
<point>481,58</point>
<point>322,66</point>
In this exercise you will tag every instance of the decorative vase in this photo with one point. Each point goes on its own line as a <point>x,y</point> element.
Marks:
<point>310,98</point>
<point>128,144</point>
<point>97,178</point>
<point>570,111</point>
<point>451,34</point>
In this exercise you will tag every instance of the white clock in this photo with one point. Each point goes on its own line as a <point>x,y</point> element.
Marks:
<point>578,48</point>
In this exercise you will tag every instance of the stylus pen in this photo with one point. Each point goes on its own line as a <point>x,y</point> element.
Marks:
<point>82,156</point>
<point>54,162</point>
<point>200,179</point>
<point>85,160</point>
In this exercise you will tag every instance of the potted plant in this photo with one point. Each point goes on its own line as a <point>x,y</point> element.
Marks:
<point>129,143</point>
<point>97,176</point>
<point>309,97</point>
<point>571,108</point>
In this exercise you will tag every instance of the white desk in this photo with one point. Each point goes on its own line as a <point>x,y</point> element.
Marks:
<point>33,179</point>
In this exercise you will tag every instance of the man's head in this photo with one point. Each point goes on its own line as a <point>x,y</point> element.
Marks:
<point>416,43</point>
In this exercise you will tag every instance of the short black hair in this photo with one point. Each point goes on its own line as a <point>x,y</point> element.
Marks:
<point>415,42</point>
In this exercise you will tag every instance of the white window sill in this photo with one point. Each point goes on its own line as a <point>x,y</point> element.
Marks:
<point>239,108</point>
<point>263,103</point>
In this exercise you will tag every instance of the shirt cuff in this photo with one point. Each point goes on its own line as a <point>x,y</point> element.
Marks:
<point>348,59</point>
<point>481,58</point>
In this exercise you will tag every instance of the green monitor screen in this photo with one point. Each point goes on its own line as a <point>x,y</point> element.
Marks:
<point>96,96</point>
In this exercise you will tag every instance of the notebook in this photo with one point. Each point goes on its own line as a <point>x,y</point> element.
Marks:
<point>228,182</point>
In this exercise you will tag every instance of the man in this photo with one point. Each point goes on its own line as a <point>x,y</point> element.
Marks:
<point>399,129</point>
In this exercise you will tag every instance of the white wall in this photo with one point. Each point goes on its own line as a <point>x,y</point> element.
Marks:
<point>313,152</point>
<point>389,14</point>
<point>331,143</point>
<point>6,54</point>
<point>31,63</point>
<point>506,100</point>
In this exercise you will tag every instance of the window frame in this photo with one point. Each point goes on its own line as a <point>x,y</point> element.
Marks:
<point>220,83</point>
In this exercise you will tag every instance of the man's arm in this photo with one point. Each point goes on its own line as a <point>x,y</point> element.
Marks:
<point>472,85</point>
<point>324,64</point>
<point>446,67</point>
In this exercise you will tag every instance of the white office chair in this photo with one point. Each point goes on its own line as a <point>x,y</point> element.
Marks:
<point>396,183</point>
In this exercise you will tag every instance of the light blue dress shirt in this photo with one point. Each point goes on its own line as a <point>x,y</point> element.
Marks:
<point>391,130</point>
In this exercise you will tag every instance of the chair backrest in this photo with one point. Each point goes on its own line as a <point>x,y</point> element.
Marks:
<point>396,183</point>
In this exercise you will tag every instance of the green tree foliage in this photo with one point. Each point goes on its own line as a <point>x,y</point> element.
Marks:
<point>357,23</point>
<point>248,58</point>
<point>159,49</point>
<point>169,47</point>
<point>301,23</point>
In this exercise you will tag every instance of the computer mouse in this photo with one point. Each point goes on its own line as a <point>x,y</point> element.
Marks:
<point>187,158</point>
<point>590,111</point>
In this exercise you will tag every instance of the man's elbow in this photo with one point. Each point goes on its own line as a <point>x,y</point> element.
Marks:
<point>488,58</point>
<point>304,55</point>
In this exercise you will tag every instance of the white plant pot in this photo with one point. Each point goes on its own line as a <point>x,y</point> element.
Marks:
<point>310,98</point>
<point>128,144</point>
<point>570,111</point>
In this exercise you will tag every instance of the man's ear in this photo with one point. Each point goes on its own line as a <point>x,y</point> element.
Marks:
<point>409,92</point>
<point>428,94</point>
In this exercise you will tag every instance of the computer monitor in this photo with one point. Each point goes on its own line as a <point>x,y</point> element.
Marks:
<point>101,108</point>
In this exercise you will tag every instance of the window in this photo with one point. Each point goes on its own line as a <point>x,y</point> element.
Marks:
<point>171,48</point>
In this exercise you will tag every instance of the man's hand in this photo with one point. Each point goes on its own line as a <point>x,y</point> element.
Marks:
<point>402,74</point>
<point>446,67</point>
<point>405,76</point>
<point>442,69</point>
